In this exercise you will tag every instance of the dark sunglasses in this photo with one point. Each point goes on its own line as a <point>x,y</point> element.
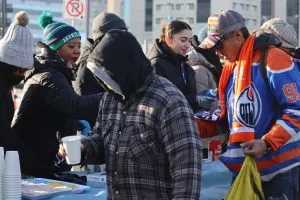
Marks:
<point>219,45</point>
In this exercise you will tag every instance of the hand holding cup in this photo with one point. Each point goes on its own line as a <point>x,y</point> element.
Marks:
<point>71,149</point>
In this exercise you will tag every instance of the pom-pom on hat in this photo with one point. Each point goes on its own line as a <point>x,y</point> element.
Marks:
<point>17,45</point>
<point>56,34</point>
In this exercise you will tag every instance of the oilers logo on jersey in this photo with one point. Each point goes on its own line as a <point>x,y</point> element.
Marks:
<point>248,107</point>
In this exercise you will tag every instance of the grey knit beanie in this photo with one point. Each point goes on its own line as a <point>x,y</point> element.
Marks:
<point>283,30</point>
<point>17,45</point>
<point>105,22</point>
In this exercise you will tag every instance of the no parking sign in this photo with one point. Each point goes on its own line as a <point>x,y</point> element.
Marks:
<point>74,9</point>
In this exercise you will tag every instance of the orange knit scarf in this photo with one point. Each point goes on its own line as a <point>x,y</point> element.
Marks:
<point>240,132</point>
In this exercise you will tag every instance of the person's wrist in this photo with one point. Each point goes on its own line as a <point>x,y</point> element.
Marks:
<point>60,155</point>
<point>268,147</point>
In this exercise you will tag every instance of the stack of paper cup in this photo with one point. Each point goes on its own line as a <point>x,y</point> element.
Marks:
<point>1,171</point>
<point>12,176</point>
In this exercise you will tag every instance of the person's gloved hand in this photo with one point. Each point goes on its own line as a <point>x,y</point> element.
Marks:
<point>85,127</point>
<point>205,102</point>
<point>210,93</point>
<point>210,116</point>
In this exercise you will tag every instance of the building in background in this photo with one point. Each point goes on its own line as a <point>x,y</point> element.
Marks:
<point>3,17</point>
<point>250,10</point>
<point>287,10</point>
<point>96,7</point>
<point>292,15</point>
<point>145,17</point>
<point>196,12</point>
<point>203,10</point>
<point>137,15</point>
<point>34,8</point>
<point>272,8</point>
<point>149,16</point>
<point>115,6</point>
<point>193,12</point>
<point>266,10</point>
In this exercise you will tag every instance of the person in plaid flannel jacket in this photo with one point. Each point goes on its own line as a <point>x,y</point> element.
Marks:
<point>145,127</point>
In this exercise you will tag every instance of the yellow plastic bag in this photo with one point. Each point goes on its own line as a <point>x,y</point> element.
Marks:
<point>247,185</point>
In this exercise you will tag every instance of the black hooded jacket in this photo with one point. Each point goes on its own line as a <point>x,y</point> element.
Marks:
<point>85,83</point>
<point>49,105</point>
<point>130,70</point>
<point>168,65</point>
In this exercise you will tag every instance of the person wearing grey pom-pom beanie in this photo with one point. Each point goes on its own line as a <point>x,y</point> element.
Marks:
<point>16,56</point>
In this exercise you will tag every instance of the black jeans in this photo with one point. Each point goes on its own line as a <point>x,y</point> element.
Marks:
<point>283,185</point>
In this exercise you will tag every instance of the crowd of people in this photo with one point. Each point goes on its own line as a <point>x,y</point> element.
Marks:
<point>142,107</point>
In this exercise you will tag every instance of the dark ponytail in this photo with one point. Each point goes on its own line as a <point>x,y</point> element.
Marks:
<point>172,28</point>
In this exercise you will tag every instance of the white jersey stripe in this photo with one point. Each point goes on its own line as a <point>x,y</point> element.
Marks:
<point>281,71</point>
<point>241,129</point>
<point>268,177</point>
<point>234,153</point>
<point>286,127</point>
<point>292,111</point>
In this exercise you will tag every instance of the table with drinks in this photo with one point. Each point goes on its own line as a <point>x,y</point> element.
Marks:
<point>216,179</point>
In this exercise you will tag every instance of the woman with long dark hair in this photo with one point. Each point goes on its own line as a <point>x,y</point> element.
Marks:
<point>168,57</point>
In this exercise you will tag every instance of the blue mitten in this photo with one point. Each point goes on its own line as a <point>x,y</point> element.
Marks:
<point>85,127</point>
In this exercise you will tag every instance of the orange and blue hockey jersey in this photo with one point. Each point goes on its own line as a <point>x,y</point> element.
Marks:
<point>276,109</point>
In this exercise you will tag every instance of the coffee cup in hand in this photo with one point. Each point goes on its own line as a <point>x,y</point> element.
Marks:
<point>72,146</point>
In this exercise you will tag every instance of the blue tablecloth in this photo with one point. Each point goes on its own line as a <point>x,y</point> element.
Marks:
<point>89,194</point>
<point>216,180</point>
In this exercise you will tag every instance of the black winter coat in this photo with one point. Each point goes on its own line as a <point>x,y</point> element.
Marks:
<point>6,106</point>
<point>168,65</point>
<point>49,104</point>
<point>8,138</point>
<point>86,83</point>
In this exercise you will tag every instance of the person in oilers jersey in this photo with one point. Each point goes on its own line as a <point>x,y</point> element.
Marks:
<point>263,112</point>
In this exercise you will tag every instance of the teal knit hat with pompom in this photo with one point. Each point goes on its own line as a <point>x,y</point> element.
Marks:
<point>56,34</point>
